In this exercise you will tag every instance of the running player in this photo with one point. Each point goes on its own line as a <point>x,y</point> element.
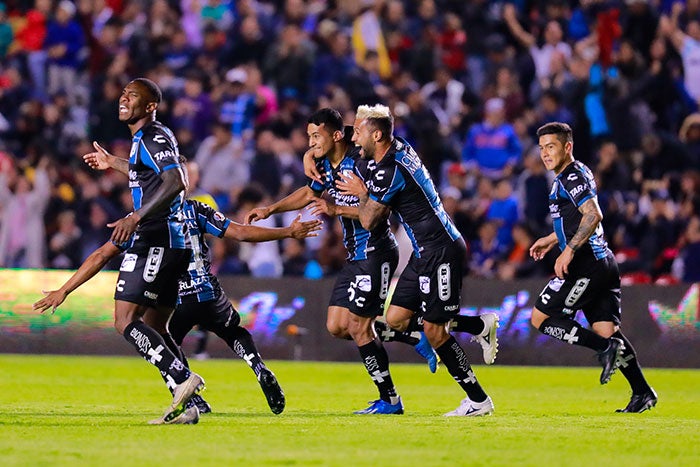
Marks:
<point>430,285</point>
<point>587,277</point>
<point>363,284</point>
<point>201,299</point>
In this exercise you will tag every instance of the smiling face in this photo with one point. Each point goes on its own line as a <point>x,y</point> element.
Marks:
<point>555,154</point>
<point>136,103</point>
<point>321,140</point>
<point>363,136</point>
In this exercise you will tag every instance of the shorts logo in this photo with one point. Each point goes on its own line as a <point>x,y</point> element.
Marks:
<point>363,283</point>
<point>151,295</point>
<point>576,291</point>
<point>444,286</point>
<point>384,286</point>
<point>155,257</point>
<point>555,284</point>
<point>424,284</point>
<point>128,263</point>
<point>120,285</point>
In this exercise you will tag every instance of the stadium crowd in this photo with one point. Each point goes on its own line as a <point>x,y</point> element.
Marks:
<point>468,82</point>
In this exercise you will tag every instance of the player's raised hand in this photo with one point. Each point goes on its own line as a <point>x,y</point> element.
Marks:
<point>99,159</point>
<point>304,229</point>
<point>351,184</point>
<point>52,300</point>
<point>256,214</point>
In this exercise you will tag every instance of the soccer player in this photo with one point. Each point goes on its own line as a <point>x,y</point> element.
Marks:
<point>157,256</point>
<point>587,277</point>
<point>363,284</point>
<point>431,283</point>
<point>201,300</point>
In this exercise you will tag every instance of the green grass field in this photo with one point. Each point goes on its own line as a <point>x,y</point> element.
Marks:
<point>93,411</point>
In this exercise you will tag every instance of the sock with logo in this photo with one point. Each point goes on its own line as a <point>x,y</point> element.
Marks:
<point>177,351</point>
<point>153,349</point>
<point>454,358</point>
<point>630,368</point>
<point>241,342</point>
<point>471,324</point>
<point>387,334</point>
<point>571,332</point>
<point>376,361</point>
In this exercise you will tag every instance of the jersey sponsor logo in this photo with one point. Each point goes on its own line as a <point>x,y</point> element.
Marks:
<point>572,177</point>
<point>133,179</point>
<point>379,174</point>
<point>424,284</point>
<point>155,257</point>
<point>129,262</point>
<point>444,286</point>
<point>162,155</point>
<point>160,139</point>
<point>576,291</point>
<point>577,190</point>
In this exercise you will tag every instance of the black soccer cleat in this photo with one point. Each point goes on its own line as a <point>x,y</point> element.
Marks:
<point>610,358</point>
<point>640,402</point>
<point>201,404</point>
<point>272,390</point>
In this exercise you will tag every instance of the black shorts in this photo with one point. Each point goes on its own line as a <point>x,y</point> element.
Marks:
<point>591,286</point>
<point>362,286</point>
<point>149,276</point>
<point>215,315</point>
<point>432,284</point>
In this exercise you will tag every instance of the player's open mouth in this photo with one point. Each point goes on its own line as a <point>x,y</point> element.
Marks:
<point>123,109</point>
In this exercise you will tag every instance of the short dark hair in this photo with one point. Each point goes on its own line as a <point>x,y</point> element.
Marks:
<point>561,130</point>
<point>152,88</point>
<point>329,117</point>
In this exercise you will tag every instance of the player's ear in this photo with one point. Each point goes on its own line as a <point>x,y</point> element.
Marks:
<point>337,135</point>
<point>151,107</point>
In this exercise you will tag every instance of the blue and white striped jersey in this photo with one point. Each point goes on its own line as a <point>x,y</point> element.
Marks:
<point>401,181</point>
<point>571,188</point>
<point>153,151</point>
<point>358,240</point>
<point>199,284</point>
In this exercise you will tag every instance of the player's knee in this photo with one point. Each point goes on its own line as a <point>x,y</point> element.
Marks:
<point>338,331</point>
<point>399,324</point>
<point>436,333</point>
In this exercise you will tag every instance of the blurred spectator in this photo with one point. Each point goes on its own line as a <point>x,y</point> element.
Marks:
<point>263,259</point>
<point>194,109</point>
<point>492,147</point>
<point>503,211</point>
<point>64,42</point>
<point>533,191</point>
<point>485,252</point>
<point>22,242</point>
<point>288,63</point>
<point>444,97</point>
<point>64,244</point>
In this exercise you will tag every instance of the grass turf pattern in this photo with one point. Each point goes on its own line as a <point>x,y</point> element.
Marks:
<point>65,410</point>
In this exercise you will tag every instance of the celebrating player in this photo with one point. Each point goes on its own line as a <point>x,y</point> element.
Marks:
<point>587,277</point>
<point>430,285</point>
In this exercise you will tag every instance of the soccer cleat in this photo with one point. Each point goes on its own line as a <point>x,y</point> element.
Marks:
<point>272,390</point>
<point>610,359</point>
<point>182,394</point>
<point>469,408</point>
<point>427,352</point>
<point>488,338</point>
<point>640,402</point>
<point>190,416</point>
<point>381,407</point>
<point>201,404</point>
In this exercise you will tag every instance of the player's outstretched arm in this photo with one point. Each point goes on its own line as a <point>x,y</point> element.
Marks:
<point>253,233</point>
<point>91,266</point>
<point>321,206</point>
<point>296,200</point>
<point>103,160</point>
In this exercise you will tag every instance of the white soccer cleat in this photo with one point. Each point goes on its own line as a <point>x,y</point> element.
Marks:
<point>488,338</point>
<point>183,392</point>
<point>469,408</point>
<point>189,417</point>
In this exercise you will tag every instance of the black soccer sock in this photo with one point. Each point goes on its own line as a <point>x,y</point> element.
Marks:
<point>241,342</point>
<point>153,349</point>
<point>630,368</point>
<point>571,332</point>
<point>387,334</point>
<point>454,358</point>
<point>177,351</point>
<point>376,361</point>
<point>471,324</point>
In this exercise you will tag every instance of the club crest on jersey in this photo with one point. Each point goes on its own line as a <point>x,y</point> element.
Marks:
<point>424,284</point>
<point>219,217</point>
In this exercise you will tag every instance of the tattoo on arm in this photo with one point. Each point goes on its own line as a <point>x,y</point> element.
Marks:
<point>589,222</point>
<point>371,212</point>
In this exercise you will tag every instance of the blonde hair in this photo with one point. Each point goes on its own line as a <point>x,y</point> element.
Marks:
<point>372,111</point>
